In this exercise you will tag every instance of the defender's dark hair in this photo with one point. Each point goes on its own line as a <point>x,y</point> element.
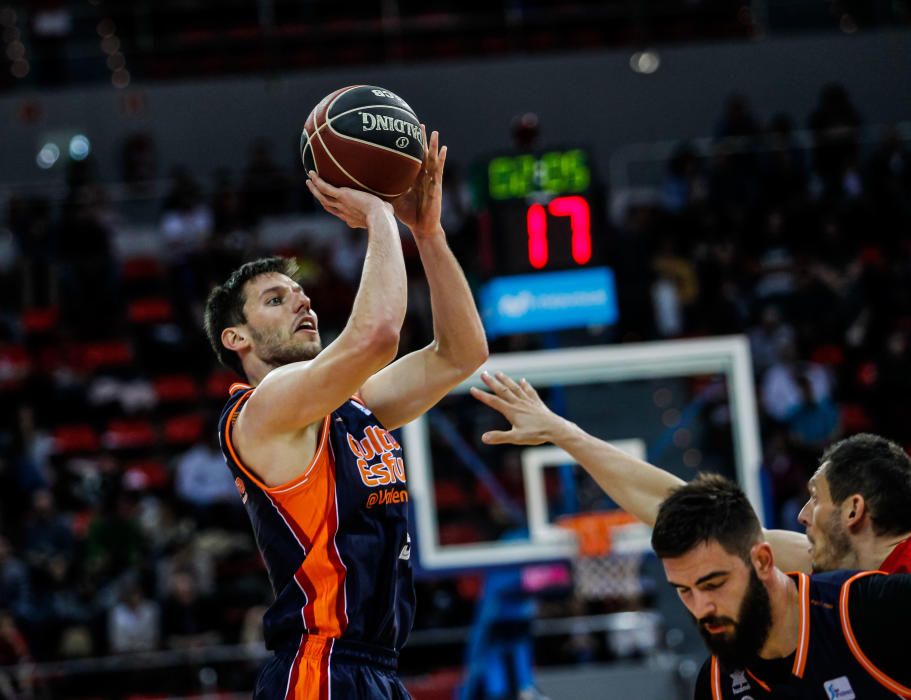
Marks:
<point>225,305</point>
<point>708,508</point>
<point>877,469</point>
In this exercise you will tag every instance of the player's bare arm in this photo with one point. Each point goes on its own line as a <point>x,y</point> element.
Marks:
<point>414,383</point>
<point>294,396</point>
<point>637,486</point>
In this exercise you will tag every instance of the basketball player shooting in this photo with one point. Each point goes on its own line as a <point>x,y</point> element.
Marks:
<point>307,439</point>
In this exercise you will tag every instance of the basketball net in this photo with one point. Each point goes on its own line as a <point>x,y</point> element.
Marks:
<point>611,547</point>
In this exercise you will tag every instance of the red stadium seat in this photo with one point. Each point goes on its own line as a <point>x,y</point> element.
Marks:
<point>107,354</point>
<point>143,267</point>
<point>459,533</point>
<point>39,320</point>
<point>15,366</point>
<point>151,473</point>
<point>219,382</point>
<point>449,495</point>
<point>855,419</point>
<point>150,310</point>
<point>75,439</point>
<point>176,388</point>
<point>129,435</point>
<point>183,430</point>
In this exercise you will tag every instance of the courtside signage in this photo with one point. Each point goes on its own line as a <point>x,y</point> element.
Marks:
<point>547,301</point>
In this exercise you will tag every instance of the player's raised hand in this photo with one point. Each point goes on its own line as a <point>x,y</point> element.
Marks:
<point>420,207</point>
<point>532,421</point>
<point>351,206</point>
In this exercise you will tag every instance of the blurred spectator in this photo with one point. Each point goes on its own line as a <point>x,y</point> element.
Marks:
<point>88,269</point>
<point>139,160</point>
<point>134,623</point>
<point>787,477</point>
<point>781,393</point>
<point>186,225</point>
<point>187,619</point>
<point>202,482</point>
<point>114,542</point>
<point>189,557</point>
<point>684,183</point>
<point>15,593</point>
<point>525,129</point>
<point>734,177</point>
<point>812,424</point>
<point>232,242</point>
<point>784,166</point>
<point>46,535</point>
<point>834,123</point>
<point>34,446</point>
<point>30,222</point>
<point>500,660</point>
<point>266,188</point>
<point>186,221</point>
<point>889,401</point>
<point>458,217</point>
<point>737,119</point>
<point>14,655</point>
<point>769,338</point>
<point>674,291</point>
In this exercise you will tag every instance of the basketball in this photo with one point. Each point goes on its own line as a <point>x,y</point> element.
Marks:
<point>364,137</point>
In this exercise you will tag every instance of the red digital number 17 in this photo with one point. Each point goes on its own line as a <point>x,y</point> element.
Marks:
<point>576,208</point>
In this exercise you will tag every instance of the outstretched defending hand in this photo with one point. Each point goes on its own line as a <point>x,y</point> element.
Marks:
<point>532,421</point>
<point>420,207</point>
<point>351,206</point>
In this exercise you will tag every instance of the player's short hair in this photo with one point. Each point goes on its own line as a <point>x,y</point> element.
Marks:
<point>709,508</point>
<point>225,305</point>
<point>877,469</point>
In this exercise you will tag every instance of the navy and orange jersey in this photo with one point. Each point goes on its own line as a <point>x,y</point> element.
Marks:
<point>832,659</point>
<point>335,539</point>
<point>899,560</point>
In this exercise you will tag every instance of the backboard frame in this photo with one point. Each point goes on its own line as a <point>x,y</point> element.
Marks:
<point>728,356</point>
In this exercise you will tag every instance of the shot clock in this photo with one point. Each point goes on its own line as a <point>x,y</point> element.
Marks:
<point>545,211</point>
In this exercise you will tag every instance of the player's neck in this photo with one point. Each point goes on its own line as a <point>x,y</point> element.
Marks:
<point>784,598</point>
<point>876,549</point>
<point>255,369</point>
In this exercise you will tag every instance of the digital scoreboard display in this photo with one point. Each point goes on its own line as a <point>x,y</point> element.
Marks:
<point>545,210</point>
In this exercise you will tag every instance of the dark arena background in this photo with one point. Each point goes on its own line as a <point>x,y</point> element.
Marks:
<point>626,179</point>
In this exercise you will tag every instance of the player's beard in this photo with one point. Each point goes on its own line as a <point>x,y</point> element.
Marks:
<point>837,547</point>
<point>277,352</point>
<point>750,631</point>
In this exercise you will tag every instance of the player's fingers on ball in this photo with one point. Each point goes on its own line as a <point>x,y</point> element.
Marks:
<point>424,137</point>
<point>317,195</point>
<point>327,189</point>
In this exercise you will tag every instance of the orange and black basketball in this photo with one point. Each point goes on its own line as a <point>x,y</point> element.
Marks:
<point>365,137</point>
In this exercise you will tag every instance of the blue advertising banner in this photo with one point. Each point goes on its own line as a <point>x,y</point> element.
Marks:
<point>548,301</point>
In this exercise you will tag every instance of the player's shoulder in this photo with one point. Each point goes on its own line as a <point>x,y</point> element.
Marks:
<point>237,392</point>
<point>835,580</point>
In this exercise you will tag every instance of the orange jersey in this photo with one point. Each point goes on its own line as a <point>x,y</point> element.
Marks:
<point>335,539</point>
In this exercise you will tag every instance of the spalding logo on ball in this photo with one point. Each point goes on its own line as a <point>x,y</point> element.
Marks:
<point>365,137</point>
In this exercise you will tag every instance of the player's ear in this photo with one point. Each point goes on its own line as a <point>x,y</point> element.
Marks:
<point>234,338</point>
<point>853,509</point>
<point>762,559</point>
